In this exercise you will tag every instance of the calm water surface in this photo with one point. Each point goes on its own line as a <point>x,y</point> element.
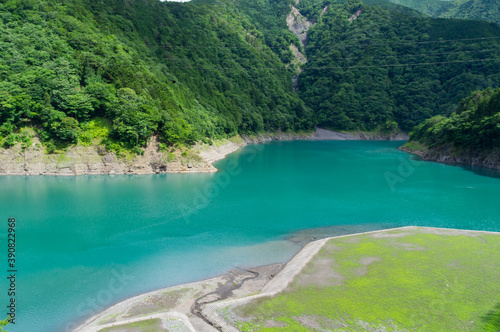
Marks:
<point>87,242</point>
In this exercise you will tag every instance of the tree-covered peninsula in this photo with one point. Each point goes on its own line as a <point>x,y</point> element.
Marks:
<point>471,135</point>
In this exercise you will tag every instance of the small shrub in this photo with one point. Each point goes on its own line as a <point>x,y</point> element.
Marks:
<point>50,147</point>
<point>163,147</point>
<point>9,141</point>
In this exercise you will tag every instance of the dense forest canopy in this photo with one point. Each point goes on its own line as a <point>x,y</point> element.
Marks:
<point>371,67</point>
<point>79,68</point>
<point>120,71</point>
<point>485,10</point>
<point>313,9</point>
<point>475,124</point>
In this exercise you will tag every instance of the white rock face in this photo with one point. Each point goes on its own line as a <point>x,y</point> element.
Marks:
<point>298,24</point>
<point>81,160</point>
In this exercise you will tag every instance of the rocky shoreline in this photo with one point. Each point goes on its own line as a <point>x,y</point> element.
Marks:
<point>92,160</point>
<point>449,155</point>
<point>95,160</point>
<point>325,135</point>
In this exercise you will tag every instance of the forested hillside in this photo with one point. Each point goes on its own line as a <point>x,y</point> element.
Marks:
<point>370,67</point>
<point>474,125</point>
<point>485,10</point>
<point>116,72</point>
<point>120,71</point>
<point>471,135</point>
<point>313,9</point>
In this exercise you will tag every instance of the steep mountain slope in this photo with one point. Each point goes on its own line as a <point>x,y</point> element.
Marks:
<point>314,9</point>
<point>372,68</point>
<point>121,71</point>
<point>471,135</point>
<point>115,73</point>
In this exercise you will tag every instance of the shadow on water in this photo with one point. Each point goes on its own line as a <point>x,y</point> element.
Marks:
<point>489,172</point>
<point>482,171</point>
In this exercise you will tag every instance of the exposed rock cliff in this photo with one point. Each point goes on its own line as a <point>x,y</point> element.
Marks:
<point>355,15</point>
<point>298,24</point>
<point>80,160</point>
<point>277,136</point>
<point>450,155</point>
<point>324,11</point>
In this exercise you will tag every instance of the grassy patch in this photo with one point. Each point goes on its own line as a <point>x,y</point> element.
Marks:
<point>236,139</point>
<point>412,282</point>
<point>62,158</point>
<point>94,131</point>
<point>108,319</point>
<point>171,157</point>
<point>24,136</point>
<point>190,156</point>
<point>415,146</point>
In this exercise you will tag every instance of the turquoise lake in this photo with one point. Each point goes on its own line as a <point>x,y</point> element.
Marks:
<point>87,242</point>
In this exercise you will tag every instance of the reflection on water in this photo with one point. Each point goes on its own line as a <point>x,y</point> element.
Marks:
<point>492,173</point>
